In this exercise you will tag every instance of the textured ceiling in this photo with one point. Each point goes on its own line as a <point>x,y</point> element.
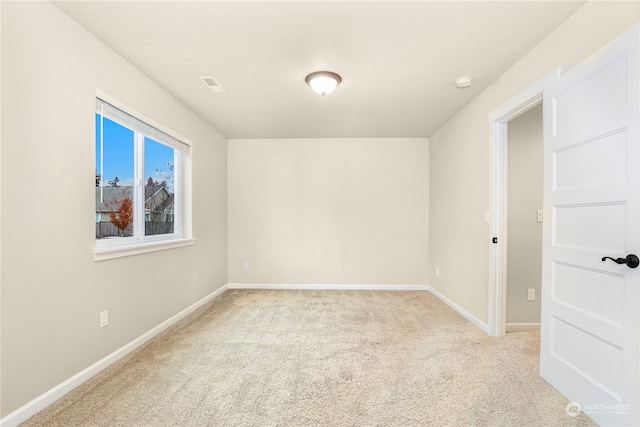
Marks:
<point>398,60</point>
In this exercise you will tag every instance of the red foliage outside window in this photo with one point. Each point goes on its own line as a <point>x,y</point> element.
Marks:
<point>122,216</point>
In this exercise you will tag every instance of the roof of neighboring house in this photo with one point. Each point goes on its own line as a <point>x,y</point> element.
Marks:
<point>152,190</point>
<point>111,196</point>
<point>166,204</point>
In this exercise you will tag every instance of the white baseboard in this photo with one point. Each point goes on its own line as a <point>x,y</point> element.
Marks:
<point>522,327</point>
<point>39,403</point>
<point>470,317</point>
<point>318,286</point>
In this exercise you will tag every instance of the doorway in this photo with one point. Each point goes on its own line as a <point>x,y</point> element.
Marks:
<point>524,221</point>
<point>527,100</point>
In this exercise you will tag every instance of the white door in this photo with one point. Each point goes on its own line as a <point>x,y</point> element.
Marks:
<point>589,325</point>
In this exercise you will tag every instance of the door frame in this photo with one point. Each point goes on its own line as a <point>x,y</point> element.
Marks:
<point>498,120</point>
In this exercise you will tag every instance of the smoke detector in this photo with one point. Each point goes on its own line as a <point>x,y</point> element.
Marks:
<point>463,82</point>
<point>213,84</point>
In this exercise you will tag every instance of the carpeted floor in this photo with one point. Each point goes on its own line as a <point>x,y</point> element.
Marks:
<point>321,358</point>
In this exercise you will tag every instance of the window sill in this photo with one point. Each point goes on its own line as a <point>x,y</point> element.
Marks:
<point>102,254</point>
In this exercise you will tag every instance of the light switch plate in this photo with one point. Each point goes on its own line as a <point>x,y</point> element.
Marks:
<point>104,318</point>
<point>531,294</point>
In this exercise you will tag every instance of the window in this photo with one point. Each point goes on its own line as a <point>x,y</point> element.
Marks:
<point>139,179</point>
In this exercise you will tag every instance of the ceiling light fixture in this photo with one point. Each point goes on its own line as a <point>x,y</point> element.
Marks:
<point>323,82</point>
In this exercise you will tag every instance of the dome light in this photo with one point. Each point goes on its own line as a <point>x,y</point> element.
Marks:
<point>323,82</point>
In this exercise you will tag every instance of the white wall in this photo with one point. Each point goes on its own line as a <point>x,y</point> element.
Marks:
<point>328,211</point>
<point>460,151</point>
<point>524,198</point>
<point>52,290</point>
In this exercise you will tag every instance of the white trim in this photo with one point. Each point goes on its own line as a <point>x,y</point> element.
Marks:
<point>138,115</point>
<point>41,402</point>
<point>111,252</point>
<point>498,228</point>
<point>319,286</point>
<point>464,313</point>
<point>523,101</point>
<point>498,119</point>
<point>522,327</point>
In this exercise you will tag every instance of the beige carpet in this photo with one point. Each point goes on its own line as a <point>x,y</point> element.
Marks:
<point>321,358</point>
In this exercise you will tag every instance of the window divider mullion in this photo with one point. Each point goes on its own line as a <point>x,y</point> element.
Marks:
<point>139,226</point>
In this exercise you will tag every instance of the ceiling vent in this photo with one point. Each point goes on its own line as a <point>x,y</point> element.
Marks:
<point>213,84</point>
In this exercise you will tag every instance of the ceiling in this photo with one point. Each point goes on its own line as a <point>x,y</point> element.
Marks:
<point>398,60</point>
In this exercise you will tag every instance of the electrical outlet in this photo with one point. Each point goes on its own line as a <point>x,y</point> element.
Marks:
<point>246,265</point>
<point>438,271</point>
<point>486,217</point>
<point>531,294</point>
<point>104,318</point>
<point>539,213</point>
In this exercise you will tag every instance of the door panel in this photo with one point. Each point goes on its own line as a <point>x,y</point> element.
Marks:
<point>595,226</point>
<point>575,105</point>
<point>589,326</point>
<point>599,161</point>
<point>596,360</point>
<point>573,285</point>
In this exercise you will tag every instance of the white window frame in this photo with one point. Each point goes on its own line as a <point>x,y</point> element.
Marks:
<point>142,127</point>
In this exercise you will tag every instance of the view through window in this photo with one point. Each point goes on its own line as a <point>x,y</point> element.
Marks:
<point>136,187</point>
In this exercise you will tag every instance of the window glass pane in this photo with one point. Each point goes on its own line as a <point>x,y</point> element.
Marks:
<point>114,179</point>
<point>159,163</point>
